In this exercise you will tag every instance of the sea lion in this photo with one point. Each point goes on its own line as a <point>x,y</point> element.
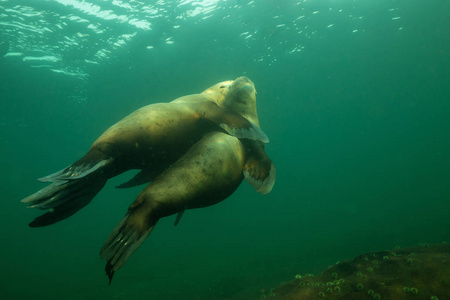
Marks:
<point>151,139</point>
<point>209,172</point>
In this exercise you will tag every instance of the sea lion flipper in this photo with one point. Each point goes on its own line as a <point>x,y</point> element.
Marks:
<point>259,169</point>
<point>62,203</point>
<point>179,215</point>
<point>251,132</point>
<point>63,199</point>
<point>233,123</point>
<point>70,190</point>
<point>262,183</point>
<point>75,171</point>
<point>142,177</point>
<point>128,235</point>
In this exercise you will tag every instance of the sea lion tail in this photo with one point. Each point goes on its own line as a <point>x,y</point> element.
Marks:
<point>128,235</point>
<point>70,190</point>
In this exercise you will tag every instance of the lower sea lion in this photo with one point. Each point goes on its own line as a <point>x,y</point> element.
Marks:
<point>151,139</point>
<point>209,172</point>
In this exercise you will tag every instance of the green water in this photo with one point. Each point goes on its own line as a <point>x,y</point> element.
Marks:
<point>359,132</point>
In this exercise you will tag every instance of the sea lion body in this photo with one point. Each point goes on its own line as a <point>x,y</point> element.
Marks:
<point>206,174</point>
<point>209,172</point>
<point>153,136</point>
<point>159,133</point>
<point>195,151</point>
<point>151,139</point>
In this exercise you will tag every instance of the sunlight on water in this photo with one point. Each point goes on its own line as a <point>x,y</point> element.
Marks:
<point>352,93</point>
<point>91,32</point>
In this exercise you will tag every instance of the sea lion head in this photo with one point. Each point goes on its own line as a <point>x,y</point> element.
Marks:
<point>241,98</point>
<point>218,91</point>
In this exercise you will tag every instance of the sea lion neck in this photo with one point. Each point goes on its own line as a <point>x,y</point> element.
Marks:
<point>241,98</point>
<point>218,91</point>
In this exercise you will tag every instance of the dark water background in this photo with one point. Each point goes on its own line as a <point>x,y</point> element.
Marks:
<point>358,114</point>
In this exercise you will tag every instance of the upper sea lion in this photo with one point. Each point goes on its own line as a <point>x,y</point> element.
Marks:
<point>151,138</point>
<point>209,172</point>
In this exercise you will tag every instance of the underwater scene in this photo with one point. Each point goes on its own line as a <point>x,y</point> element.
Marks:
<point>310,158</point>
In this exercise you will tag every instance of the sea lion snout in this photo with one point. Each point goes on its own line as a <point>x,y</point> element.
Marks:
<point>242,81</point>
<point>241,98</point>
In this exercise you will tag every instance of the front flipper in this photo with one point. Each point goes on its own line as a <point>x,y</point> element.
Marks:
<point>260,177</point>
<point>233,123</point>
<point>259,169</point>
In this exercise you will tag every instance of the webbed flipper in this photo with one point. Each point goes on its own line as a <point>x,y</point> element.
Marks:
<point>259,169</point>
<point>260,177</point>
<point>128,235</point>
<point>70,190</point>
<point>144,176</point>
<point>62,200</point>
<point>75,171</point>
<point>179,215</point>
<point>233,123</point>
<point>245,131</point>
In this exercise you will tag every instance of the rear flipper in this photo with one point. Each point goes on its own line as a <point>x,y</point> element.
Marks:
<point>63,199</point>
<point>72,188</point>
<point>142,177</point>
<point>76,171</point>
<point>128,235</point>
